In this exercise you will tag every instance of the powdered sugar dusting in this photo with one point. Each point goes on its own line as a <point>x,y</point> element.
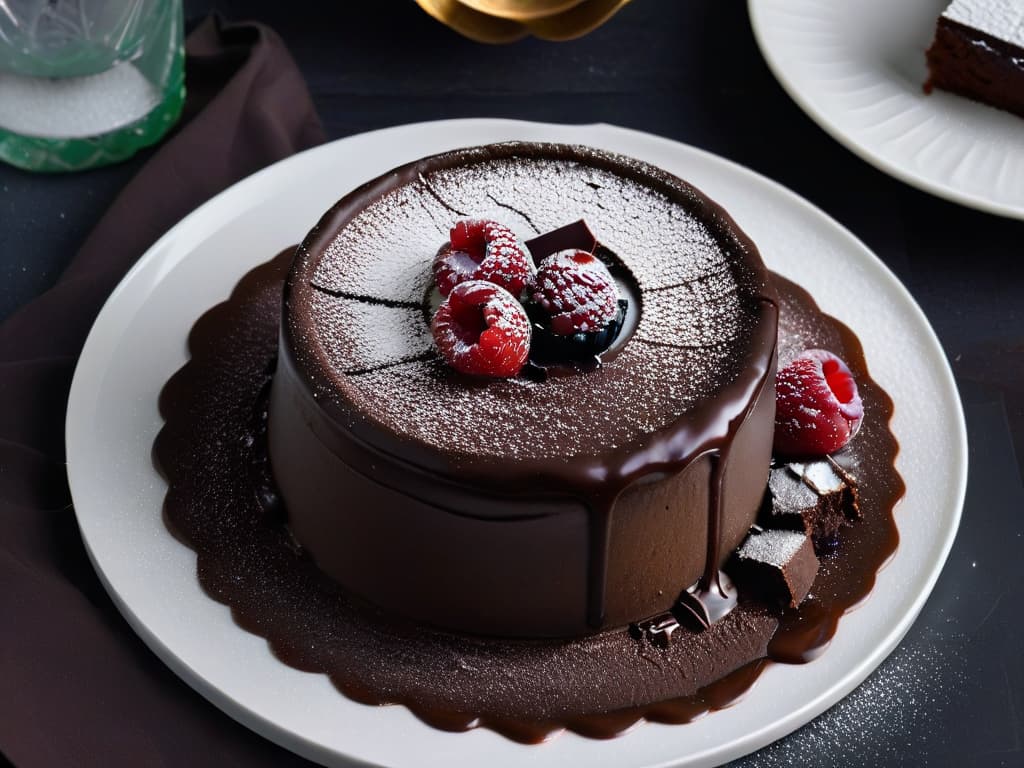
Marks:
<point>703,313</point>
<point>387,249</point>
<point>789,492</point>
<point>903,706</point>
<point>798,332</point>
<point>820,476</point>
<point>349,332</point>
<point>1002,19</point>
<point>558,419</point>
<point>774,547</point>
<point>662,243</point>
<point>688,344</point>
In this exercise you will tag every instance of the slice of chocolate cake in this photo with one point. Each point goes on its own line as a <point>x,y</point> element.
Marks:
<point>978,52</point>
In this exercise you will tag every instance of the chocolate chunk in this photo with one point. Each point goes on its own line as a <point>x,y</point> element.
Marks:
<point>702,605</point>
<point>775,566</point>
<point>576,236</point>
<point>657,631</point>
<point>797,506</point>
<point>791,505</point>
<point>816,498</point>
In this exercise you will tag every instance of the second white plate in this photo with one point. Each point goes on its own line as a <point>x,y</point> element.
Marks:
<point>857,68</point>
<point>138,341</point>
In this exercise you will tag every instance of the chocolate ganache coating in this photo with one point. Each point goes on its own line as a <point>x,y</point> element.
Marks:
<point>517,507</point>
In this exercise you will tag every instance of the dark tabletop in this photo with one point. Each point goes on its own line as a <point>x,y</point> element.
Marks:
<point>953,692</point>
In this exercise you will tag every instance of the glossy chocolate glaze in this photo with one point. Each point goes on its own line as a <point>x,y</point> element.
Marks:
<point>600,685</point>
<point>589,464</point>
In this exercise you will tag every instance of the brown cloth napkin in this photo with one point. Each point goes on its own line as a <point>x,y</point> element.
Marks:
<point>77,687</point>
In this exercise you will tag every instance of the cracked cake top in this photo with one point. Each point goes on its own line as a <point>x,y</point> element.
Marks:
<point>359,305</point>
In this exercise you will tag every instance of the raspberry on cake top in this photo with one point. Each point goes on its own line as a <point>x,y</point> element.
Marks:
<point>692,337</point>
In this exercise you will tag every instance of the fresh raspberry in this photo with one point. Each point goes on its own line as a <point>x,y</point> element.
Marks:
<point>481,329</point>
<point>577,292</point>
<point>817,408</point>
<point>482,250</point>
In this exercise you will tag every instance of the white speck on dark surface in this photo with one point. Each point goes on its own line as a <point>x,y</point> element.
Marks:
<point>887,720</point>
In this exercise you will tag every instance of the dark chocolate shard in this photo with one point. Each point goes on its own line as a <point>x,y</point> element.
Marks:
<point>699,607</point>
<point>657,631</point>
<point>795,506</point>
<point>692,612</point>
<point>777,567</point>
<point>790,504</point>
<point>576,236</point>
<point>815,498</point>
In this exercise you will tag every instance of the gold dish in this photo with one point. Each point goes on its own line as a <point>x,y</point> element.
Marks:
<point>521,10</point>
<point>504,21</point>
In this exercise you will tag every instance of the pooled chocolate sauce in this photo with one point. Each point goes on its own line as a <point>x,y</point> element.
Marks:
<point>598,685</point>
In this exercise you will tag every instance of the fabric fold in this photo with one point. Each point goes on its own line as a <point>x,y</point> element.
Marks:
<point>79,687</point>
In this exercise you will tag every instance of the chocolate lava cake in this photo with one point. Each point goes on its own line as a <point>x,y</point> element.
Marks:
<point>546,549</point>
<point>978,52</point>
<point>524,507</point>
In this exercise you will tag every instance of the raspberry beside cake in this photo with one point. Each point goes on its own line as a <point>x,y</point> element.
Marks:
<point>524,507</point>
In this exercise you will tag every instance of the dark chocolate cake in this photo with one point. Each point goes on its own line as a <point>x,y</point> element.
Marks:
<point>978,52</point>
<point>521,507</point>
<point>548,550</point>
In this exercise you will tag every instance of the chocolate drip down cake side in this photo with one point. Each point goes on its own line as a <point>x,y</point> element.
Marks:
<point>528,416</point>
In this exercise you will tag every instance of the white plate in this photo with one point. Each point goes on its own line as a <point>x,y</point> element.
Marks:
<point>138,341</point>
<point>857,68</point>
